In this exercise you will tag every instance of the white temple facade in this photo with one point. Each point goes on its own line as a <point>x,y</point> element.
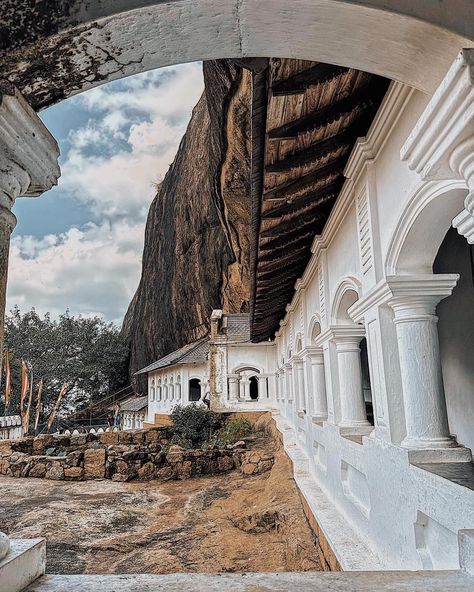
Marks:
<point>371,374</point>
<point>239,374</point>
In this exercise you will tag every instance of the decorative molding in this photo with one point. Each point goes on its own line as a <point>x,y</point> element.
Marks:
<point>446,122</point>
<point>404,288</point>
<point>441,145</point>
<point>28,152</point>
<point>366,250</point>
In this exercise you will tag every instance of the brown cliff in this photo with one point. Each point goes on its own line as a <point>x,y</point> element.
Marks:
<point>196,248</point>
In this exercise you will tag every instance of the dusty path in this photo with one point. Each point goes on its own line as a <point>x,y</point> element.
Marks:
<point>222,523</point>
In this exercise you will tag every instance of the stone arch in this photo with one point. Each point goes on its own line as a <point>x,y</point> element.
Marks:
<point>423,225</point>
<point>346,294</point>
<point>244,367</point>
<point>314,329</point>
<point>111,40</point>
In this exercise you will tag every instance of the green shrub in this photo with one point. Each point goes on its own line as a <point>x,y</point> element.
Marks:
<point>232,431</point>
<point>194,426</point>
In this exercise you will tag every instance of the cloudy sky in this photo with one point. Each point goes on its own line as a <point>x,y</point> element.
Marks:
<point>79,246</point>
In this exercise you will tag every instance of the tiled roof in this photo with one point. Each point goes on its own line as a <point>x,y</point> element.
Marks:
<point>192,353</point>
<point>135,404</point>
<point>238,327</point>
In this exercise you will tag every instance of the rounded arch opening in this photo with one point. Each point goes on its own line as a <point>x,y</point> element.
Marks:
<point>194,390</point>
<point>421,229</point>
<point>346,295</point>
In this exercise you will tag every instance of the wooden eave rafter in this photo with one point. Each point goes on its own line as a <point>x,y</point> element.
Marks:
<point>302,151</point>
<point>301,81</point>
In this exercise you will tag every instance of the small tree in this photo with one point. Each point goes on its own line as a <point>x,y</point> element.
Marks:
<point>87,354</point>
<point>194,426</point>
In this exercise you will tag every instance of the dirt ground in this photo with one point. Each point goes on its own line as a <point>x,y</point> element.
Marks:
<point>223,523</point>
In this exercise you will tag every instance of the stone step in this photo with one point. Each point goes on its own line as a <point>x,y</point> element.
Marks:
<point>23,564</point>
<point>428,581</point>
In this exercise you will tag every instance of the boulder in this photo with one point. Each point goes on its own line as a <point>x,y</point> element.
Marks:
<point>225,463</point>
<point>73,473</point>
<point>38,470</point>
<point>94,463</point>
<point>4,467</point>
<point>75,458</point>
<point>147,471</point>
<point>248,468</point>
<point>55,472</point>
<point>108,438</point>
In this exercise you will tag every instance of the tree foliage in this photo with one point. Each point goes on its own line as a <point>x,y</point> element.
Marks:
<point>86,353</point>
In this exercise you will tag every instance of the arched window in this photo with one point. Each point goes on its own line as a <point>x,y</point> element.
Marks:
<point>194,389</point>
<point>158,390</point>
<point>171,391</point>
<point>178,388</point>
<point>152,389</point>
<point>253,388</point>
<point>165,390</point>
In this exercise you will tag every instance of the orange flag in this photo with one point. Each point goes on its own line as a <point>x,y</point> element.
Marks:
<point>8,379</point>
<point>24,390</point>
<point>26,421</point>
<point>38,404</point>
<point>56,406</point>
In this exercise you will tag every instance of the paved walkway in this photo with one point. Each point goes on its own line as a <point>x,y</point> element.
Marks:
<point>427,581</point>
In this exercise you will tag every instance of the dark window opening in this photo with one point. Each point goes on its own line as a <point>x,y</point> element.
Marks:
<point>366,387</point>
<point>194,389</point>
<point>253,388</point>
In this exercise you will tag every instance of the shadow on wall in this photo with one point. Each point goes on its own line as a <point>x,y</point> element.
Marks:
<point>456,335</point>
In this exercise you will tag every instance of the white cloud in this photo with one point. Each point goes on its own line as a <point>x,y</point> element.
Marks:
<point>125,143</point>
<point>90,271</point>
<point>149,114</point>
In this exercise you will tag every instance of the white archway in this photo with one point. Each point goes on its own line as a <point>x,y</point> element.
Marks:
<point>111,40</point>
<point>423,225</point>
<point>346,294</point>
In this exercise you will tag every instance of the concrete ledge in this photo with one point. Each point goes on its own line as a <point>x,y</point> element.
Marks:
<point>342,546</point>
<point>25,562</point>
<point>395,581</point>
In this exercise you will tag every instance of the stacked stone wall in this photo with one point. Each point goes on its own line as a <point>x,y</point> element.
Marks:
<point>123,456</point>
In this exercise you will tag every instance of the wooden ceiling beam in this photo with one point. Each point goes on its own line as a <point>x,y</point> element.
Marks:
<point>367,98</point>
<point>311,200</point>
<point>298,83</point>
<point>287,227</point>
<point>306,182</point>
<point>318,150</point>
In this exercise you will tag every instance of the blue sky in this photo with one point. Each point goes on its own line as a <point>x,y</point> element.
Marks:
<point>79,245</point>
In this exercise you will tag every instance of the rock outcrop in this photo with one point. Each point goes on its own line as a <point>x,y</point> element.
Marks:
<point>196,250</point>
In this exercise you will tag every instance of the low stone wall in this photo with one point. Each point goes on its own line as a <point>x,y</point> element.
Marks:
<point>123,456</point>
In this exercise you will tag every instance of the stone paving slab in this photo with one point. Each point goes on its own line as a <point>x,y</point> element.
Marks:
<point>427,581</point>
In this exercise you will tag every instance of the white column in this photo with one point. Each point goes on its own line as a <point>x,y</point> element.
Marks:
<point>282,384</point>
<point>319,404</point>
<point>299,386</point>
<point>28,167</point>
<point>414,304</point>
<point>234,380</point>
<point>262,387</point>
<point>351,396</point>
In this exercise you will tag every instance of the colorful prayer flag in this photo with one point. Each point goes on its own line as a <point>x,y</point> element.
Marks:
<point>26,422</point>
<point>56,406</point>
<point>7,380</point>
<point>38,404</point>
